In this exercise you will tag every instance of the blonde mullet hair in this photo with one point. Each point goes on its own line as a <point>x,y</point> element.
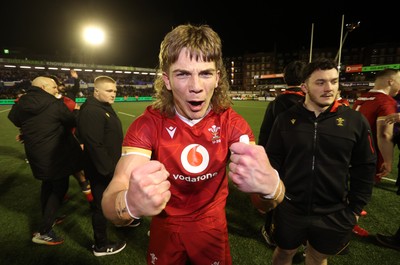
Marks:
<point>203,43</point>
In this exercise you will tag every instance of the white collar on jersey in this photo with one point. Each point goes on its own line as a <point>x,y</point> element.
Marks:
<point>378,91</point>
<point>191,122</point>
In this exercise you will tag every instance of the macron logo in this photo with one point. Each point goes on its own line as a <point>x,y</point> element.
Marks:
<point>171,131</point>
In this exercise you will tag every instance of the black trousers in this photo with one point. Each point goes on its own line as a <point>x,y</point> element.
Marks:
<point>98,185</point>
<point>52,195</point>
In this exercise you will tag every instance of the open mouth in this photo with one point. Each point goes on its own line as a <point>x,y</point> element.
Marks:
<point>196,106</point>
<point>195,103</point>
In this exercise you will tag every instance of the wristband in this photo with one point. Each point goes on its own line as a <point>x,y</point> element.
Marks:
<point>122,210</point>
<point>272,195</point>
<point>269,204</point>
<point>127,207</point>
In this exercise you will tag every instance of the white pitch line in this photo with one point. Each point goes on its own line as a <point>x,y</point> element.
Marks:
<point>127,114</point>
<point>392,180</point>
<point>4,110</point>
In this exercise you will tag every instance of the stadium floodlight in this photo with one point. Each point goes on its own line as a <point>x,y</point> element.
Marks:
<point>350,27</point>
<point>93,35</point>
<point>93,38</point>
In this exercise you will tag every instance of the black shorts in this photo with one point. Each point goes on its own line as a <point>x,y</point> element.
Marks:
<point>328,234</point>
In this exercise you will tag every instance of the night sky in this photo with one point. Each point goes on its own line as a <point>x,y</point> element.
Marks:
<point>134,29</point>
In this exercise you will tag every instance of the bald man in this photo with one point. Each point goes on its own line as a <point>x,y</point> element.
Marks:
<point>51,149</point>
<point>47,84</point>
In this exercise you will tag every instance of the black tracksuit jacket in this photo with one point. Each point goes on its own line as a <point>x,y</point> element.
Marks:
<point>100,131</point>
<point>282,102</point>
<point>327,162</point>
<point>46,123</point>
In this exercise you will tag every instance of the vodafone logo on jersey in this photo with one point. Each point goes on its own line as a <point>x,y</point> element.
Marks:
<point>195,158</point>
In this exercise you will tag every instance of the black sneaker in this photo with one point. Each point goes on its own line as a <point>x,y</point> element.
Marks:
<point>268,239</point>
<point>50,239</point>
<point>388,241</point>
<point>109,249</point>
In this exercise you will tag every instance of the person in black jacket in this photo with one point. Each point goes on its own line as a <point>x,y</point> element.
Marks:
<point>324,154</point>
<point>52,151</point>
<point>292,75</point>
<point>100,131</point>
<point>68,96</point>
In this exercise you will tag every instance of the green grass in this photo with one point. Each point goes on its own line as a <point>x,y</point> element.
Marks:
<point>20,213</point>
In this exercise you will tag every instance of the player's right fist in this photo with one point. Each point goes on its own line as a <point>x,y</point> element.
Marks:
<point>148,191</point>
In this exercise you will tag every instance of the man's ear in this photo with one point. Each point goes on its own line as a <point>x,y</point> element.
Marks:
<point>304,88</point>
<point>166,81</point>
